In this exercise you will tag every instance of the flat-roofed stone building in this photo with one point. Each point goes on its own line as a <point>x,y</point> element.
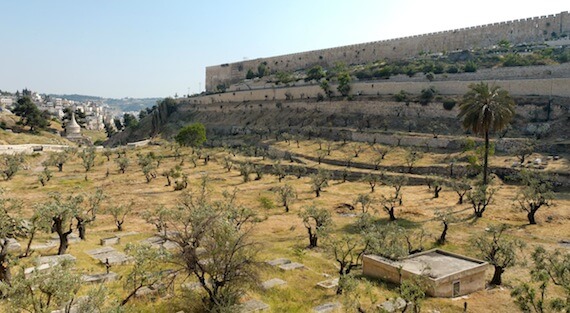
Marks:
<point>447,274</point>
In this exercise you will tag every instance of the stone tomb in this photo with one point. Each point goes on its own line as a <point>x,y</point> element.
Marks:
<point>328,307</point>
<point>13,245</point>
<point>46,262</point>
<point>159,242</point>
<point>253,306</point>
<point>328,284</point>
<point>274,282</point>
<point>291,266</point>
<point>99,278</point>
<point>108,253</point>
<point>110,241</point>
<point>393,305</point>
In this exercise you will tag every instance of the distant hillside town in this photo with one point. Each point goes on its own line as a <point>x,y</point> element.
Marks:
<point>96,114</point>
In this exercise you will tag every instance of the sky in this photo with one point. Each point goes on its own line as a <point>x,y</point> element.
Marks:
<point>143,48</point>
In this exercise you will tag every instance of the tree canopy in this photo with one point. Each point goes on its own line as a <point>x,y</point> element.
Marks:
<point>30,115</point>
<point>193,135</point>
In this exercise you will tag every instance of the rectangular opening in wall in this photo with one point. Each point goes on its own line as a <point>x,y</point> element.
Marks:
<point>456,289</point>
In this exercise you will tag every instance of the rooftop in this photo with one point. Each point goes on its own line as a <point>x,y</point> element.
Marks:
<point>434,263</point>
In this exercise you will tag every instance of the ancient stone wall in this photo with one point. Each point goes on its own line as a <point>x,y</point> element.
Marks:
<point>537,29</point>
<point>549,80</point>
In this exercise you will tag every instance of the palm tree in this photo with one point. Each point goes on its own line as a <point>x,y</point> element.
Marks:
<point>486,109</point>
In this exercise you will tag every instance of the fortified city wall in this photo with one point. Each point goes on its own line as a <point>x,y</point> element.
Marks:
<point>546,80</point>
<point>537,29</point>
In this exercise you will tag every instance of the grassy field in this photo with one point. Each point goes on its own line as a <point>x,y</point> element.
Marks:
<point>281,234</point>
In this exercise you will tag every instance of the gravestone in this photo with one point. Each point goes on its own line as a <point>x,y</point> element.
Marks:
<point>110,241</point>
<point>145,291</point>
<point>278,262</point>
<point>109,254</point>
<point>99,278</point>
<point>328,284</point>
<point>393,305</point>
<point>13,245</point>
<point>56,259</point>
<point>274,282</point>
<point>159,242</point>
<point>39,268</point>
<point>291,266</point>
<point>44,246</point>
<point>328,307</point>
<point>253,306</point>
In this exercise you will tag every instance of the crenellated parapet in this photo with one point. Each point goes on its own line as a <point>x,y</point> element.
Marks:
<point>529,30</point>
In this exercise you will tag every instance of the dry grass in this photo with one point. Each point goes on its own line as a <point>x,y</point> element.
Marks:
<point>283,235</point>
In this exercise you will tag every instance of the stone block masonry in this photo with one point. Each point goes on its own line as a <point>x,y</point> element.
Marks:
<point>536,29</point>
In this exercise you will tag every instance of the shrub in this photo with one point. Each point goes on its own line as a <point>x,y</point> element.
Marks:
<point>470,67</point>
<point>449,104</point>
<point>401,96</point>
<point>452,69</point>
<point>250,74</point>
<point>266,203</point>
<point>427,95</point>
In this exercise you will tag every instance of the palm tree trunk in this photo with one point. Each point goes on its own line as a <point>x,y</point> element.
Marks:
<point>486,162</point>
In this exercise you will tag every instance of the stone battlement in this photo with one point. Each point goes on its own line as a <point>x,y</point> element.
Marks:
<point>534,29</point>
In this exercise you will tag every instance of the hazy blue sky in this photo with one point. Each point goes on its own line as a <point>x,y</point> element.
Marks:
<point>139,48</point>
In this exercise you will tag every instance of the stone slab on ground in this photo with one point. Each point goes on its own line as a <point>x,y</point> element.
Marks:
<point>44,246</point>
<point>99,251</point>
<point>253,306</point>
<point>39,268</point>
<point>328,284</point>
<point>145,291</point>
<point>99,278</point>
<point>110,241</point>
<point>13,245</point>
<point>56,259</point>
<point>393,305</point>
<point>565,243</point>
<point>159,242</point>
<point>274,282</point>
<point>278,262</point>
<point>109,254</point>
<point>328,307</point>
<point>291,266</point>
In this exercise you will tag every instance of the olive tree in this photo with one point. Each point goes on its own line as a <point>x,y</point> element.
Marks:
<point>10,227</point>
<point>317,221</point>
<point>119,213</point>
<point>500,250</point>
<point>146,269</point>
<point>480,197</point>
<point>347,251</point>
<point>535,193</point>
<point>88,213</point>
<point>10,165</point>
<point>42,291</point>
<point>214,246</point>
<point>549,287</point>
<point>319,181</point>
<point>286,195</point>
<point>88,157</point>
<point>56,214</point>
